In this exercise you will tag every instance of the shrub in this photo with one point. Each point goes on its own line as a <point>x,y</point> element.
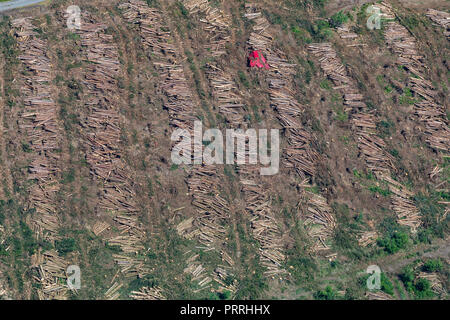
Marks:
<point>432,265</point>
<point>327,294</point>
<point>325,84</point>
<point>65,246</point>
<point>338,19</point>
<point>422,289</point>
<point>243,79</point>
<point>377,189</point>
<point>432,215</point>
<point>394,243</point>
<point>386,285</point>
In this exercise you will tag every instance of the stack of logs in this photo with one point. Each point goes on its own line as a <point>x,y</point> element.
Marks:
<point>215,22</point>
<point>147,293</point>
<point>213,210</point>
<point>435,282</point>
<point>40,123</point>
<point>427,108</point>
<point>372,147</point>
<point>350,37</point>
<point>441,18</point>
<point>211,225</point>
<point>112,293</point>
<point>264,224</point>
<point>378,295</point>
<point>231,106</point>
<point>103,155</point>
<point>298,155</point>
<point>367,238</point>
<point>226,94</point>
<point>260,37</point>
<point>179,100</point>
<point>198,272</point>
<point>213,215</point>
<point>50,270</point>
<point>4,291</point>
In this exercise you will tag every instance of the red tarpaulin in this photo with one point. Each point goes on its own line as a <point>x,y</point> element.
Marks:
<point>256,59</point>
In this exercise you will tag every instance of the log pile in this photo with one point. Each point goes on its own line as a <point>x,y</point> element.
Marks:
<point>351,39</point>
<point>198,273</point>
<point>220,276</point>
<point>39,121</point>
<point>367,238</point>
<point>371,146</point>
<point>386,10</point>
<point>436,283</point>
<point>215,23</point>
<point>209,226</point>
<point>378,295</point>
<point>51,275</point>
<point>298,155</point>
<point>264,224</point>
<point>100,227</point>
<point>4,291</point>
<point>442,19</point>
<point>179,100</point>
<point>213,214</point>
<point>103,146</point>
<point>260,38</point>
<point>147,293</point>
<point>427,108</point>
<point>222,84</point>
<point>112,293</point>
<point>131,266</point>
<point>225,92</point>
<point>319,220</point>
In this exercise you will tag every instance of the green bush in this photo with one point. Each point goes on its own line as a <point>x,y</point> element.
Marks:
<point>432,265</point>
<point>243,79</point>
<point>65,246</point>
<point>433,224</point>
<point>422,289</point>
<point>377,189</point>
<point>395,242</point>
<point>338,19</point>
<point>386,285</point>
<point>407,276</point>
<point>328,294</point>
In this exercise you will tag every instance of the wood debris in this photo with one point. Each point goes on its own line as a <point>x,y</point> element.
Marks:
<point>213,210</point>
<point>371,146</point>
<point>226,93</point>
<point>442,19</point>
<point>215,23</point>
<point>40,122</point>
<point>197,272</point>
<point>147,293</point>
<point>103,154</point>
<point>265,228</point>
<point>51,275</point>
<point>428,110</point>
<point>378,295</point>
<point>112,293</point>
<point>100,227</point>
<point>436,283</point>
<point>367,238</point>
<point>351,38</point>
<point>179,100</point>
<point>298,155</point>
<point>210,225</point>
